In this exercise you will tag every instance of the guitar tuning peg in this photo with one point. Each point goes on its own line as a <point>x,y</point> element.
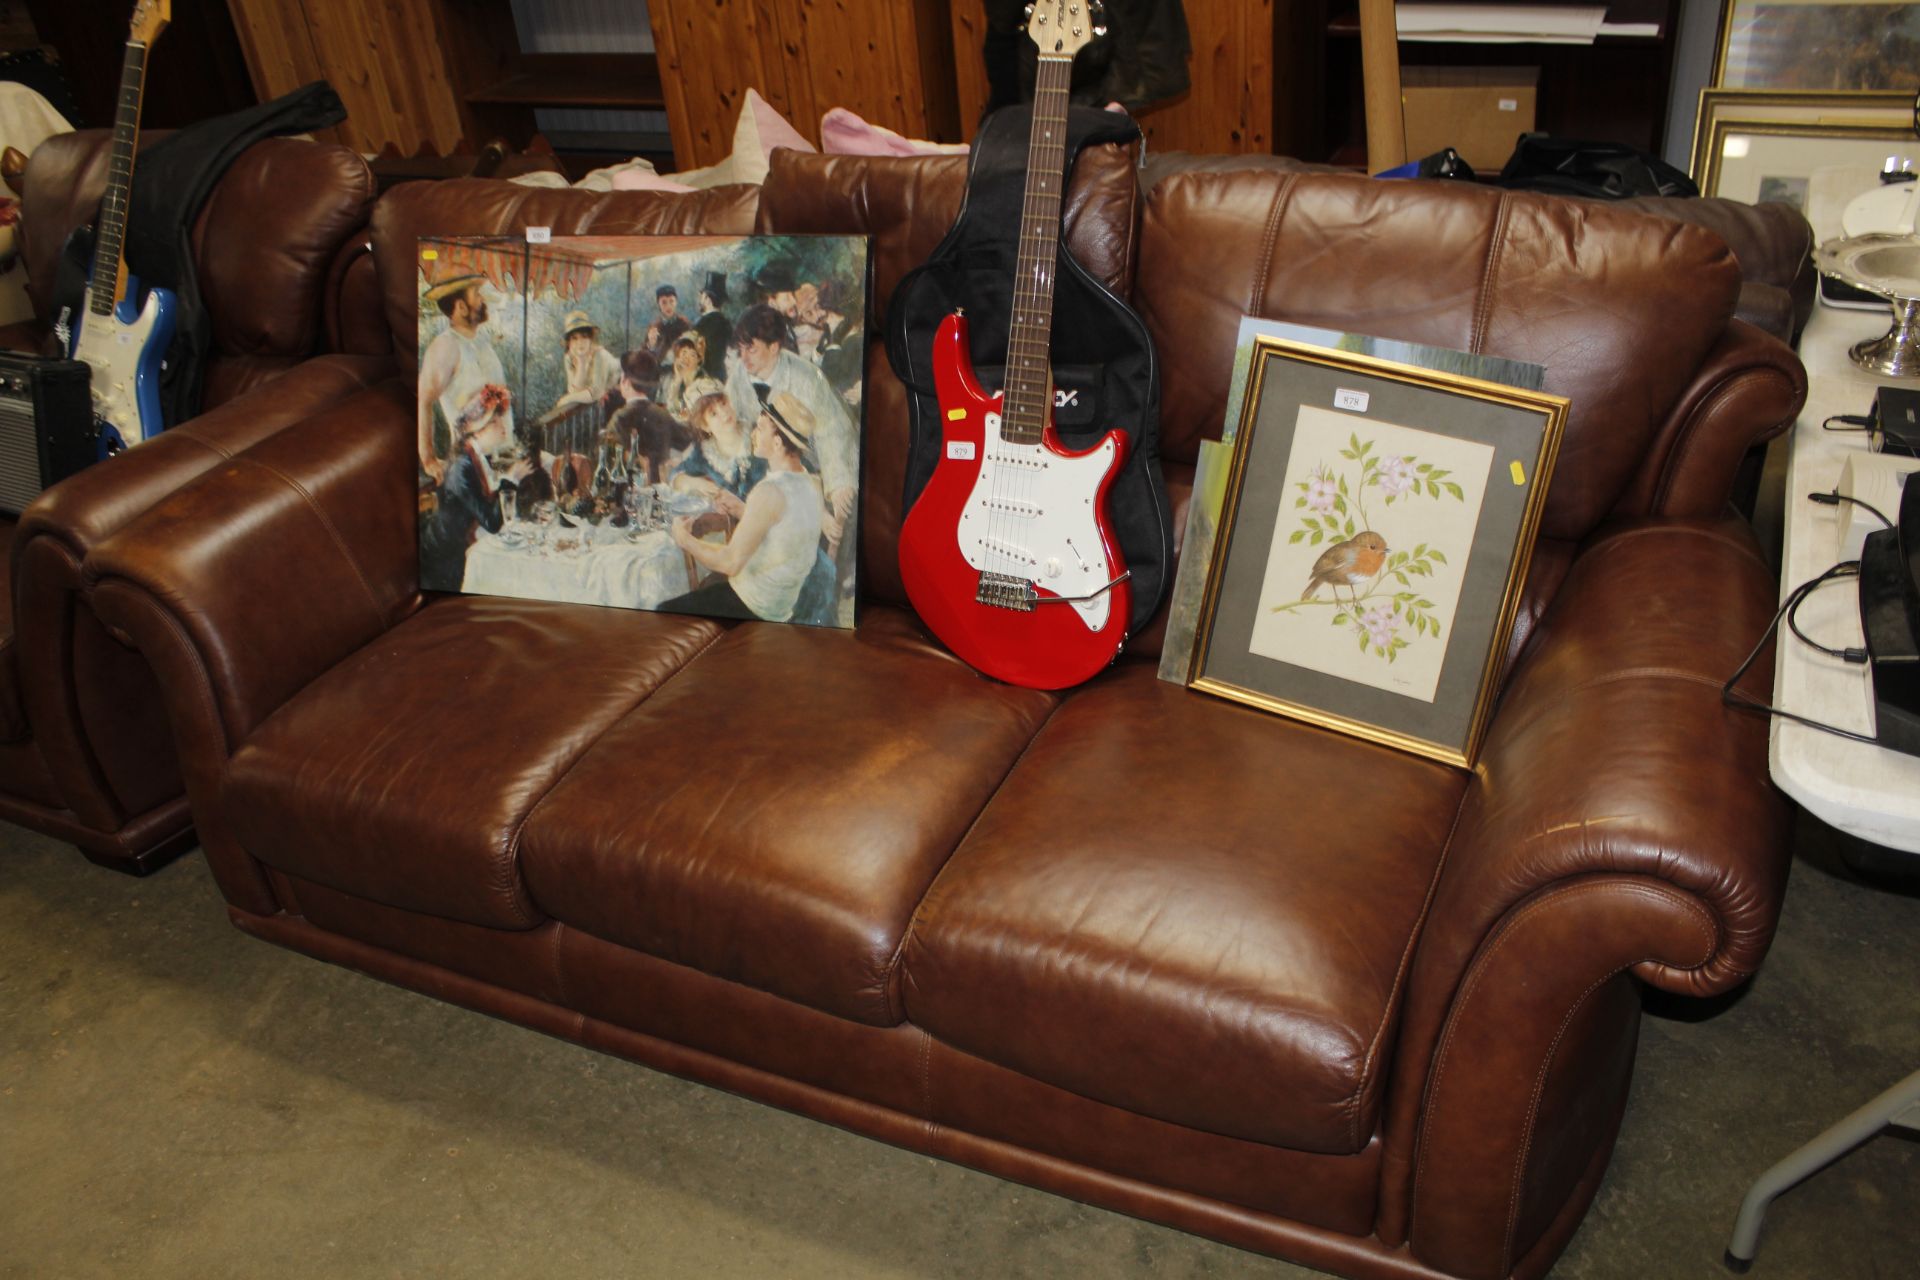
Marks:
<point>1099,29</point>
<point>1029,13</point>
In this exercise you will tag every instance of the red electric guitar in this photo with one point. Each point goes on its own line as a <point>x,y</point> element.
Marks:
<point>1007,555</point>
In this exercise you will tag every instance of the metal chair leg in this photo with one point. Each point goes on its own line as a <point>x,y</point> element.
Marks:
<point>1898,1106</point>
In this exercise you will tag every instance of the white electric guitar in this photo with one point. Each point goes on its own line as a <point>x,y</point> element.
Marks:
<point>119,337</point>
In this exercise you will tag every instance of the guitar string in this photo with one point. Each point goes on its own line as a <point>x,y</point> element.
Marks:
<point>1039,248</point>
<point>120,164</point>
<point>1008,476</point>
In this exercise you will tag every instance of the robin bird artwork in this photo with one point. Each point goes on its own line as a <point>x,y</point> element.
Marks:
<point>1348,563</point>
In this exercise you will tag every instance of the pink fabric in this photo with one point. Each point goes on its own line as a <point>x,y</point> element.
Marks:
<point>842,133</point>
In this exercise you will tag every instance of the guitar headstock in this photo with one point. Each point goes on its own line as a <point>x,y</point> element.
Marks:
<point>150,18</point>
<point>1062,28</point>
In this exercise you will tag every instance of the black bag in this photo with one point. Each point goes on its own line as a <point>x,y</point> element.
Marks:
<point>1597,170</point>
<point>1105,374</point>
<point>1141,61</point>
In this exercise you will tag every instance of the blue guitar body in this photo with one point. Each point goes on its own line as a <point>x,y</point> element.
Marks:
<point>125,348</point>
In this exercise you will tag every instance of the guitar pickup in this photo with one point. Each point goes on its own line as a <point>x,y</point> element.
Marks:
<point>1007,507</point>
<point>1003,591</point>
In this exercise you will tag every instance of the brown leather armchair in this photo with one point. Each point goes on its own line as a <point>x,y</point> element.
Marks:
<point>1154,950</point>
<point>85,751</point>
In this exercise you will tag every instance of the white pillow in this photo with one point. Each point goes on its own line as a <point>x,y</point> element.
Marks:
<point>758,132</point>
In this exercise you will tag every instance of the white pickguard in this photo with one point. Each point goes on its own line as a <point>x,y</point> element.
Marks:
<point>112,350</point>
<point>1031,516</point>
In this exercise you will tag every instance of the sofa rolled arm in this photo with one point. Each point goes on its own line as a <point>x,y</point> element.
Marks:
<point>1612,753</point>
<point>1748,390</point>
<point>1620,820</point>
<point>63,661</point>
<point>279,562</point>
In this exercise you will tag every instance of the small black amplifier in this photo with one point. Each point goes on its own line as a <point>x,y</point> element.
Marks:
<point>1895,421</point>
<point>47,431</point>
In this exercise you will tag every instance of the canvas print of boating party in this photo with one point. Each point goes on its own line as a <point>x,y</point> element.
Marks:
<point>646,422</point>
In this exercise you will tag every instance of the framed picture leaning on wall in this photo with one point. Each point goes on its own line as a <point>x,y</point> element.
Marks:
<point>1760,160</point>
<point>1819,45</point>
<point>1377,524</point>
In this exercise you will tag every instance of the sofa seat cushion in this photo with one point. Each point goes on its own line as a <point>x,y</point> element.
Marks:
<point>1190,909</point>
<point>774,815</point>
<point>405,774</point>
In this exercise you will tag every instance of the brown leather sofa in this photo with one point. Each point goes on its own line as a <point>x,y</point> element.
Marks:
<point>1136,945</point>
<point>1771,242</point>
<point>85,751</point>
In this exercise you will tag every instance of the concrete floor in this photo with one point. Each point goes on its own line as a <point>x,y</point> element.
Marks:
<point>179,1100</point>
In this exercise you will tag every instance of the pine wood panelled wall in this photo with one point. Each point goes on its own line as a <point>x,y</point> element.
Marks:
<point>404,67</point>
<point>388,61</point>
<point>887,62</point>
<point>1228,109</point>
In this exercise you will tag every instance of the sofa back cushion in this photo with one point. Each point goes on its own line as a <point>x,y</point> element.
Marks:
<point>1620,308</point>
<point>907,205</point>
<point>263,244</point>
<point>491,207</point>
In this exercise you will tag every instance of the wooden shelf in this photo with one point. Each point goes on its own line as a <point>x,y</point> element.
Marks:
<point>626,81</point>
<point>1346,25</point>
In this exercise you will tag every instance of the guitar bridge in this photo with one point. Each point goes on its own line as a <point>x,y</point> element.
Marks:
<point>1003,591</point>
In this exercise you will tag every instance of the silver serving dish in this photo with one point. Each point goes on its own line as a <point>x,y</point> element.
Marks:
<point>1889,267</point>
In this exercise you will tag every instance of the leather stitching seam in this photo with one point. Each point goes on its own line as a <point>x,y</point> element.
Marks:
<point>1546,1063</point>
<point>1483,309</point>
<point>1262,276</point>
<point>1691,435</point>
<point>1484,964</point>
<point>926,1076</point>
<point>181,636</point>
<point>191,433</point>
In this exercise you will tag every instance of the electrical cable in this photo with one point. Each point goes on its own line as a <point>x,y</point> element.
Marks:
<point>1835,498</point>
<point>1732,697</point>
<point>1854,655</point>
<point>1854,421</point>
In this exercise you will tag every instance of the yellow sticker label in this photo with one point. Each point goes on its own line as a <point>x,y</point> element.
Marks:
<point>1519,472</point>
<point>954,415</point>
<point>428,255</point>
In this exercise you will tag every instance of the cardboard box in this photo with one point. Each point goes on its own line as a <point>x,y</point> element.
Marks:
<point>1478,111</point>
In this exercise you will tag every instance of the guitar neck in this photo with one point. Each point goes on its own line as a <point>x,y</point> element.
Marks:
<point>109,273</point>
<point>1029,381</point>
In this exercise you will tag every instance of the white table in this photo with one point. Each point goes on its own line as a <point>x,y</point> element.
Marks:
<point>1867,791</point>
<point>637,574</point>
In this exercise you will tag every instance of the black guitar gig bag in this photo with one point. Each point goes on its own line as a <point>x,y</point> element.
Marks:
<point>1105,374</point>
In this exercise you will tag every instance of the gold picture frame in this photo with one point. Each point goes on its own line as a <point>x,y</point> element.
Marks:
<point>1431,572</point>
<point>1894,110</point>
<point>1777,159</point>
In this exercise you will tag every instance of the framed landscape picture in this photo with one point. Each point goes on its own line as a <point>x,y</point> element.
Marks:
<point>1847,46</point>
<point>1376,524</point>
<point>644,422</point>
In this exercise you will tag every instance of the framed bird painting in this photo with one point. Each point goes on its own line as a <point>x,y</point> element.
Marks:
<point>1376,524</point>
